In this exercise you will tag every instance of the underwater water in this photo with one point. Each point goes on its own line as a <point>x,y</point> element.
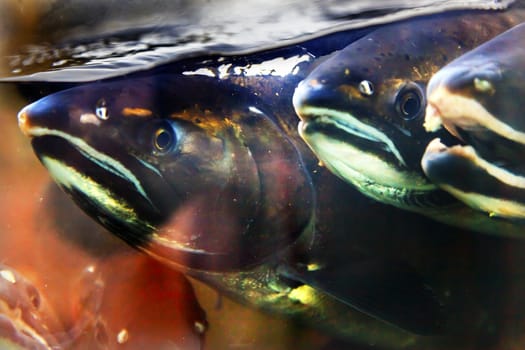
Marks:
<point>68,283</point>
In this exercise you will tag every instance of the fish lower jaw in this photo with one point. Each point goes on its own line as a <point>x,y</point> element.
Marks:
<point>346,124</point>
<point>494,207</point>
<point>370,174</point>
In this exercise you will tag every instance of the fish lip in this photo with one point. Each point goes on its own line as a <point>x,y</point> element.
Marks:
<point>99,159</point>
<point>324,124</point>
<point>470,123</point>
<point>352,127</point>
<point>494,197</point>
<point>124,191</point>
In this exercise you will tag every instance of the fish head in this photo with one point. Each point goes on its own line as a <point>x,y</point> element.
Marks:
<point>478,98</point>
<point>362,112</point>
<point>477,101</point>
<point>180,167</point>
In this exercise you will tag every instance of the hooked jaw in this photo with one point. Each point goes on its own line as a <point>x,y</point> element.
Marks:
<point>480,184</point>
<point>85,172</point>
<point>353,148</point>
<point>26,119</point>
<point>473,173</point>
<point>454,99</point>
<point>324,109</point>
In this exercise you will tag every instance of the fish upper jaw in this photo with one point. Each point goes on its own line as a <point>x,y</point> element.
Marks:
<point>26,121</point>
<point>455,111</point>
<point>23,123</point>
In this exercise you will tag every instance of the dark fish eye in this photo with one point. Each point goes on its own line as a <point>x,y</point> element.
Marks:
<point>410,101</point>
<point>164,138</point>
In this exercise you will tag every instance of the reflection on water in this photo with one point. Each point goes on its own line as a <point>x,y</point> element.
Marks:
<point>60,34</point>
<point>66,282</point>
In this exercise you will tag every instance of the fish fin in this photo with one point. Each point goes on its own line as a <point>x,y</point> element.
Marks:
<point>389,291</point>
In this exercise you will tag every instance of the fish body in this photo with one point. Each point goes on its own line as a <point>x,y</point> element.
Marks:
<point>207,174</point>
<point>478,98</point>
<point>141,141</point>
<point>362,110</point>
<point>198,173</point>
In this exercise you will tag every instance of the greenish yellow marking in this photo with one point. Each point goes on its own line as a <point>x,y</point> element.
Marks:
<point>313,267</point>
<point>304,294</point>
<point>70,178</point>
<point>103,160</point>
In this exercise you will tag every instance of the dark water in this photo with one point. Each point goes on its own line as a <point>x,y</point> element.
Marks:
<point>83,277</point>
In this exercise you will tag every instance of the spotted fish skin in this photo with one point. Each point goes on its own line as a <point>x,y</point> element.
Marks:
<point>362,110</point>
<point>479,98</point>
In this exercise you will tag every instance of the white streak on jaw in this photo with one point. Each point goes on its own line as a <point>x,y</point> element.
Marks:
<point>467,113</point>
<point>493,206</point>
<point>469,154</point>
<point>370,174</point>
<point>103,160</point>
<point>70,178</point>
<point>351,125</point>
<point>147,165</point>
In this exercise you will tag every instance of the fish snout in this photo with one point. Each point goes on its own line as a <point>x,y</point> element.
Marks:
<point>23,122</point>
<point>41,115</point>
<point>312,94</point>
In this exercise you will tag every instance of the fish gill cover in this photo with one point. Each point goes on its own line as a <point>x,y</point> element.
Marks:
<point>80,40</point>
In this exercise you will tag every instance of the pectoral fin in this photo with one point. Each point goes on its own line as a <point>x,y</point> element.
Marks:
<point>386,290</point>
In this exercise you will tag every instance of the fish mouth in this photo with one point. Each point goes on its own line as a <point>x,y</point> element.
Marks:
<point>470,123</point>
<point>456,112</point>
<point>347,128</point>
<point>45,140</point>
<point>322,110</point>
<point>366,158</point>
<point>86,179</point>
<point>480,184</point>
<point>474,170</point>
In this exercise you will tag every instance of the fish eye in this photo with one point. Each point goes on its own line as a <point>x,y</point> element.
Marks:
<point>410,102</point>
<point>164,138</point>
